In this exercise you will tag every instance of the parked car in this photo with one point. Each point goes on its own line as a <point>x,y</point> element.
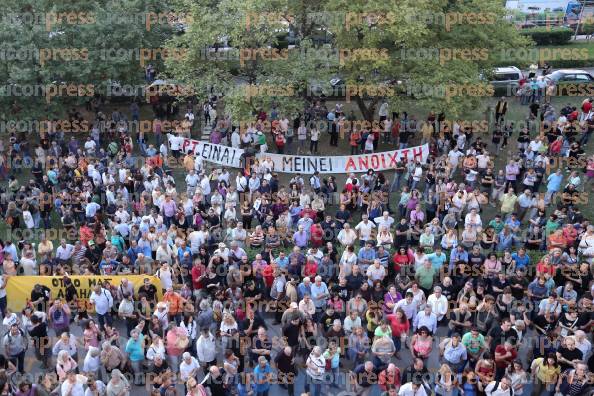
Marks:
<point>506,80</point>
<point>571,82</point>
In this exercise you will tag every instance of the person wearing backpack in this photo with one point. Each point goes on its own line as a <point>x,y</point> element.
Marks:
<point>500,388</point>
<point>102,300</point>
<point>15,346</point>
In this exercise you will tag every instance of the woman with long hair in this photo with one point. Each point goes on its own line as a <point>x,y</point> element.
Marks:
<point>545,374</point>
<point>421,343</point>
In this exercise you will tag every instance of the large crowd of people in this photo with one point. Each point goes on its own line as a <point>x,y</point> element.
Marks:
<point>479,262</point>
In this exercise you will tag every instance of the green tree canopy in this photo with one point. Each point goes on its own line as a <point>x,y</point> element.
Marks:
<point>441,28</point>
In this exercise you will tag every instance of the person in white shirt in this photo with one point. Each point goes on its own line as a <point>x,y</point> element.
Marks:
<point>438,303</point>
<point>64,251</point>
<point>500,388</point>
<point>364,228</point>
<point>376,272</point>
<point>188,367</point>
<point>426,318</point>
<point>165,274</point>
<point>102,300</point>
<point>92,362</point>
<point>175,143</point>
<point>386,220</point>
<point>347,236</point>
<point>73,385</point>
<point>414,388</point>
<point>206,349</point>
<point>235,139</point>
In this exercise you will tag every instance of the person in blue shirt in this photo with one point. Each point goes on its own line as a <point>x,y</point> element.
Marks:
<point>521,258</point>
<point>246,387</point>
<point>458,254</point>
<point>133,251</point>
<point>513,223</point>
<point>107,266</point>
<point>262,376</point>
<point>437,258</point>
<point>135,351</point>
<point>366,255</point>
<point>183,249</point>
<point>282,260</point>
<point>553,185</point>
<point>505,239</point>
<point>304,287</point>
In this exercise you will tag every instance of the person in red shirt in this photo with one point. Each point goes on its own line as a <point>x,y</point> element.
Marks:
<point>400,259</point>
<point>389,377</point>
<point>400,327</point>
<point>317,235</point>
<point>504,356</point>
<point>545,267</point>
<point>308,211</point>
<point>268,274</point>
<point>198,273</point>
<point>310,268</point>
<point>587,105</point>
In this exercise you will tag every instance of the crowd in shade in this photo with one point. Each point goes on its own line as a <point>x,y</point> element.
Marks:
<point>468,272</point>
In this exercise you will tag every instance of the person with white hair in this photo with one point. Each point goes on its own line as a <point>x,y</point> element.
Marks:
<point>582,343</point>
<point>118,385</point>
<point>64,364</point>
<point>315,370</point>
<point>320,295</point>
<point>439,303</point>
<point>92,362</point>
<point>111,356</point>
<point>162,313</point>
<point>188,368</point>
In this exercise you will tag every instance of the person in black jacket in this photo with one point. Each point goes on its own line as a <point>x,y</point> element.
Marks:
<point>40,339</point>
<point>287,372</point>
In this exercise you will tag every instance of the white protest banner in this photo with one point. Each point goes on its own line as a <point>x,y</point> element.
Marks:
<point>344,164</point>
<point>216,153</point>
<point>307,164</point>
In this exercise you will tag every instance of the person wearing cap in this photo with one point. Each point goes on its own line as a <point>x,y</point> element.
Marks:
<point>292,312</point>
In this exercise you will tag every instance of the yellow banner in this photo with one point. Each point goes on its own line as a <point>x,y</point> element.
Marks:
<point>18,288</point>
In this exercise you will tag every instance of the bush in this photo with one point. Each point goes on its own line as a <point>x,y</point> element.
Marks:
<point>549,36</point>
<point>587,29</point>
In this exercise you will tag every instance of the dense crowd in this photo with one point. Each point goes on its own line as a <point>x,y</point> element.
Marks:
<point>483,261</point>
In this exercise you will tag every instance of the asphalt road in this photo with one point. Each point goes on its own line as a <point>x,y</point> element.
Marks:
<point>33,367</point>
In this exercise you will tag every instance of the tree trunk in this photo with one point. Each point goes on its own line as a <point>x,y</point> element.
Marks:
<point>367,111</point>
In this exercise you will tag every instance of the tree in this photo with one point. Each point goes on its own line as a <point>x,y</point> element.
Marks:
<point>368,44</point>
<point>71,50</point>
